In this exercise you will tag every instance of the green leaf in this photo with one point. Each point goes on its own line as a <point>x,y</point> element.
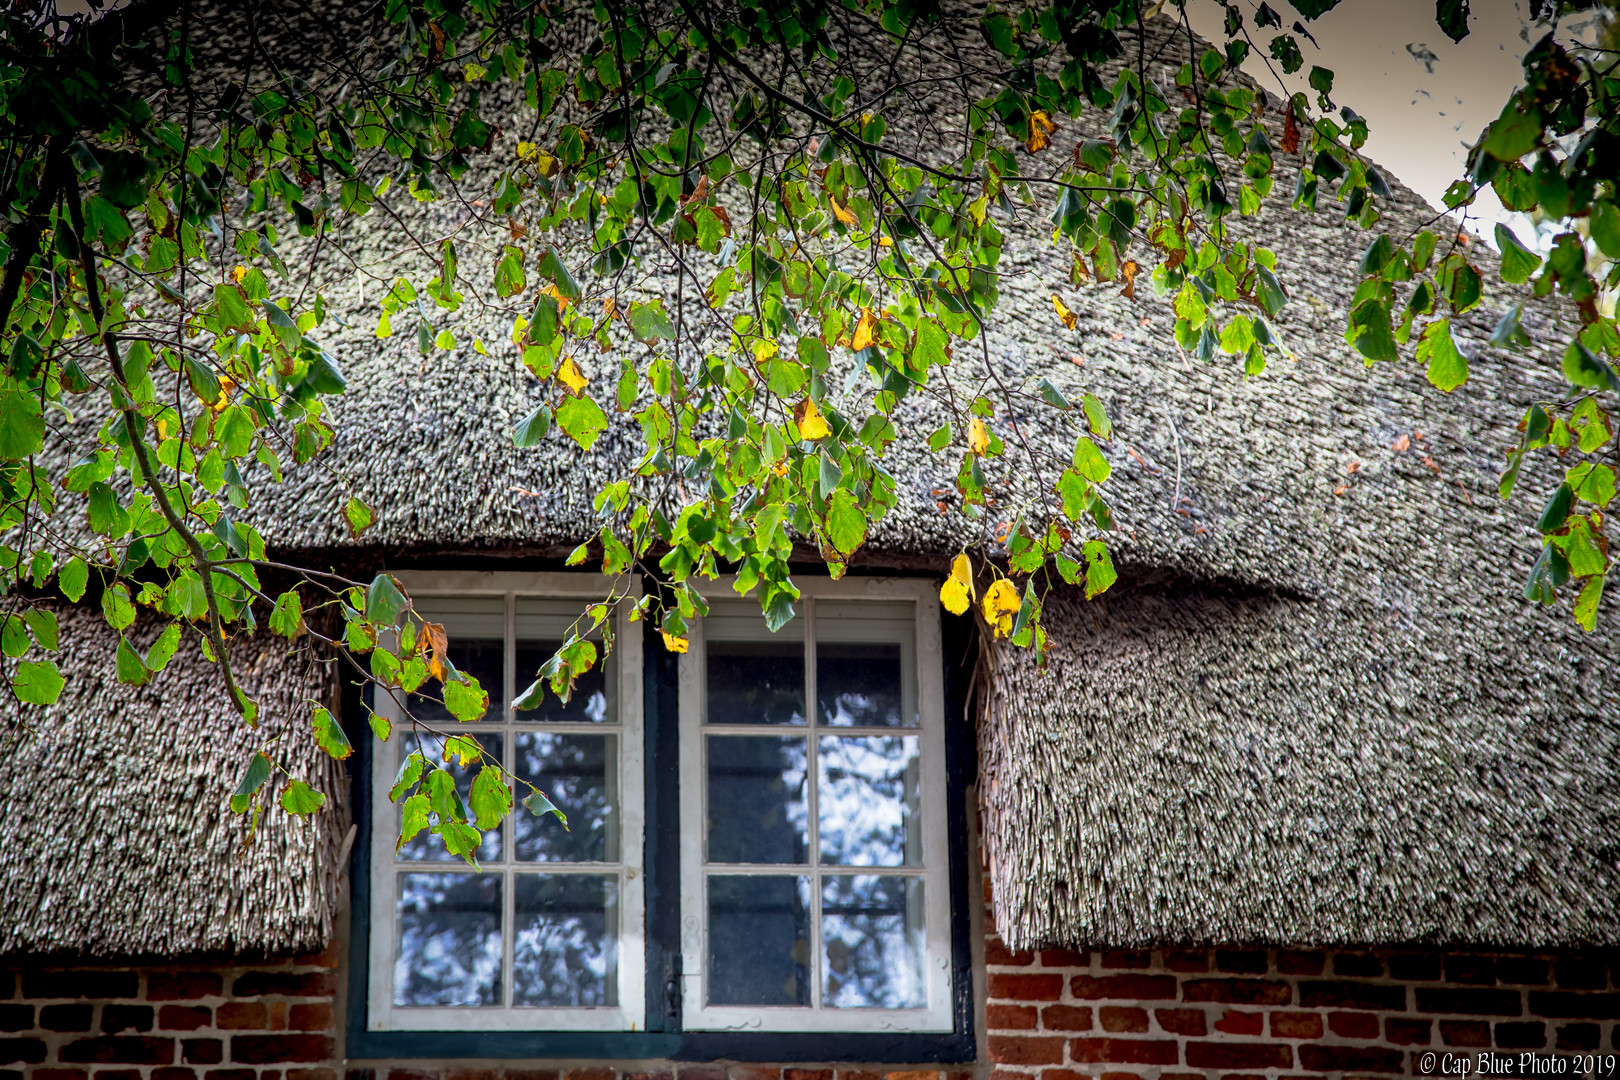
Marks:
<point>416,818</point>
<point>1583,368</point>
<point>329,734</point>
<point>1509,334</point>
<point>358,515</point>
<point>490,799</point>
<point>538,805</point>
<point>258,771</point>
<point>582,420</point>
<point>466,700</point>
<point>552,267</point>
<point>1096,417</point>
<point>1604,225</point>
<point>13,636</point>
<point>37,682</point>
<point>22,424</point>
<point>1448,368</point>
<point>1518,261</point>
<point>940,439</point>
<point>1586,604</point>
<point>648,322</point>
<point>846,523</point>
<point>116,607</point>
<point>72,578</point>
<point>1074,492</point>
<point>1269,292</point>
<point>129,665</point>
<point>124,179</point>
<point>381,726</point>
<point>1052,395</point>
<point>1513,134</point>
<point>384,602</point>
<point>1557,510</point>
<point>1090,461</point>
<point>1377,255</point>
<point>533,428</point>
<point>828,475</point>
<point>1374,337</point>
<point>43,625</point>
<point>301,799</point>
<point>164,648</point>
<point>287,617</point>
<point>1100,572</point>
<point>410,772</point>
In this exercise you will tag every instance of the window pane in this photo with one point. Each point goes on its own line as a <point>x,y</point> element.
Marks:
<point>859,685</point>
<point>756,682</point>
<point>758,807</point>
<point>579,773</point>
<point>869,805</point>
<point>759,940</point>
<point>484,659</point>
<point>872,943</point>
<point>590,703</point>
<point>566,951</point>
<point>449,940</point>
<point>425,847</point>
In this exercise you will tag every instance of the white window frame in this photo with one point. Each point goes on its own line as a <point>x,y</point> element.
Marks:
<point>936,1016</point>
<point>630,1013</point>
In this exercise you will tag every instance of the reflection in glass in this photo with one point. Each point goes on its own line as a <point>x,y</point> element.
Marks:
<point>858,684</point>
<point>580,774</point>
<point>759,940</point>
<point>757,800</point>
<point>566,951</point>
<point>483,659</point>
<point>424,846</point>
<point>869,796</point>
<point>872,942</point>
<point>590,703</point>
<point>449,940</point>
<point>756,682</point>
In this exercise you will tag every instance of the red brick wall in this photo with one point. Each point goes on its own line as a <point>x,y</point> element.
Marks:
<point>271,1021</point>
<point>658,1071</point>
<point>1060,1015</point>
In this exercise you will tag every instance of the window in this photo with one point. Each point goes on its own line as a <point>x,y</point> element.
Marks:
<point>794,791</point>
<point>548,933</point>
<point>813,885</point>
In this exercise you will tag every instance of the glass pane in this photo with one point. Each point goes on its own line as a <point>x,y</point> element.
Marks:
<point>481,657</point>
<point>579,773</point>
<point>590,703</point>
<point>566,951</point>
<point>425,847</point>
<point>756,682</point>
<point>758,806</point>
<point>870,800</point>
<point>759,940</point>
<point>449,940</point>
<point>859,685</point>
<point>872,943</point>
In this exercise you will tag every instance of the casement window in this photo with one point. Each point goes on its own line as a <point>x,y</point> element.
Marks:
<point>795,784</point>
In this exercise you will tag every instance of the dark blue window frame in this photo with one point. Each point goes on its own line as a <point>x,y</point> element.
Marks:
<point>664,1037</point>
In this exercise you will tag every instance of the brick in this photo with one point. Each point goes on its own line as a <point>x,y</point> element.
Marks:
<point>1242,962</point>
<point>997,953</point>
<point>315,1016</point>
<point>168,1072</point>
<point>1027,987</point>
<point>1353,1025</point>
<point>1348,995</point>
<point>1233,1022</point>
<point>118,1074</point>
<point>1408,1032</point>
<point>181,985</point>
<point>1233,1055</point>
<point>316,1074</point>
<point>1188,960</point>
<point>798,1074</point>
<point>118,1050</point>
<point>266,1049</point>
<point>1117,1018</point>
<point>117,1018</point>
<point>1026,1050</point>
<point>229,1074</point>
<point>1017,1017</point>
<point>467,1074</point>
<point>1182,1021</point>
<point>202,1051</point>
<point>16,1017</point>
<point>1357,965</point>
<point>1523,970</point>
<point>1064,958</point>
<point>1415,967</point>
<point>12,1074</point>
<point>906,1074</point>
<point>1296,1025</point>
<point>1125,1051</point>
<point>80,983</point>
<point>1124,987</point>
<point>1470,1002</point>
<point>8,983</point>
<point>1477,970</point>
<point>1294,962</point>
<point>1523,1035</point>
<point>31,1051</point>
<point>695,1072</point>
<point>1046,1074</point>
<point>1373,1059</point>
<point>1579,1037</point>
<point>65,1017</point>
<point>1066,1018</point>
<point>737,1073</point>
<point>185,1017</point>
<point>1575,1006</point>
<point>58,1074</point>
<point>1465,1033</point>
<point>285,984</point>
<point>278,1019</point>
<point>1580,973</point>
<point>1237,991</point>
<point>1135,958</point>
<point>242,1016</point>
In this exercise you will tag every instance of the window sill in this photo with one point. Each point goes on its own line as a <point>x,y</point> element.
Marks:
<point>885,1048</point>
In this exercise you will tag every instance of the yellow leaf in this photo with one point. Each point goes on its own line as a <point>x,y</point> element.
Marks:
<point>764,349</point>
<point>438,648</point>
<point>809,419</point>
<point>463,751</point>
<point>571,376</point>
<point>957,592</point>
<point>978,438</point>
<point>551,291</point>
<point>977,207</point>
<point>884,241</point>
<point>238,273</point>
<point>865,330</point>
<point>1063,311</point>
<point>163,429</point>
<point>1040,131</point>
<point>672,643</point>
<point>1001,604</point>
<point>610,306</point>
<point>225,388</point>
<point>844,216</point>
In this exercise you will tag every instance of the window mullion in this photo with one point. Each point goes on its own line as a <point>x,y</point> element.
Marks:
<point>813,779</point>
